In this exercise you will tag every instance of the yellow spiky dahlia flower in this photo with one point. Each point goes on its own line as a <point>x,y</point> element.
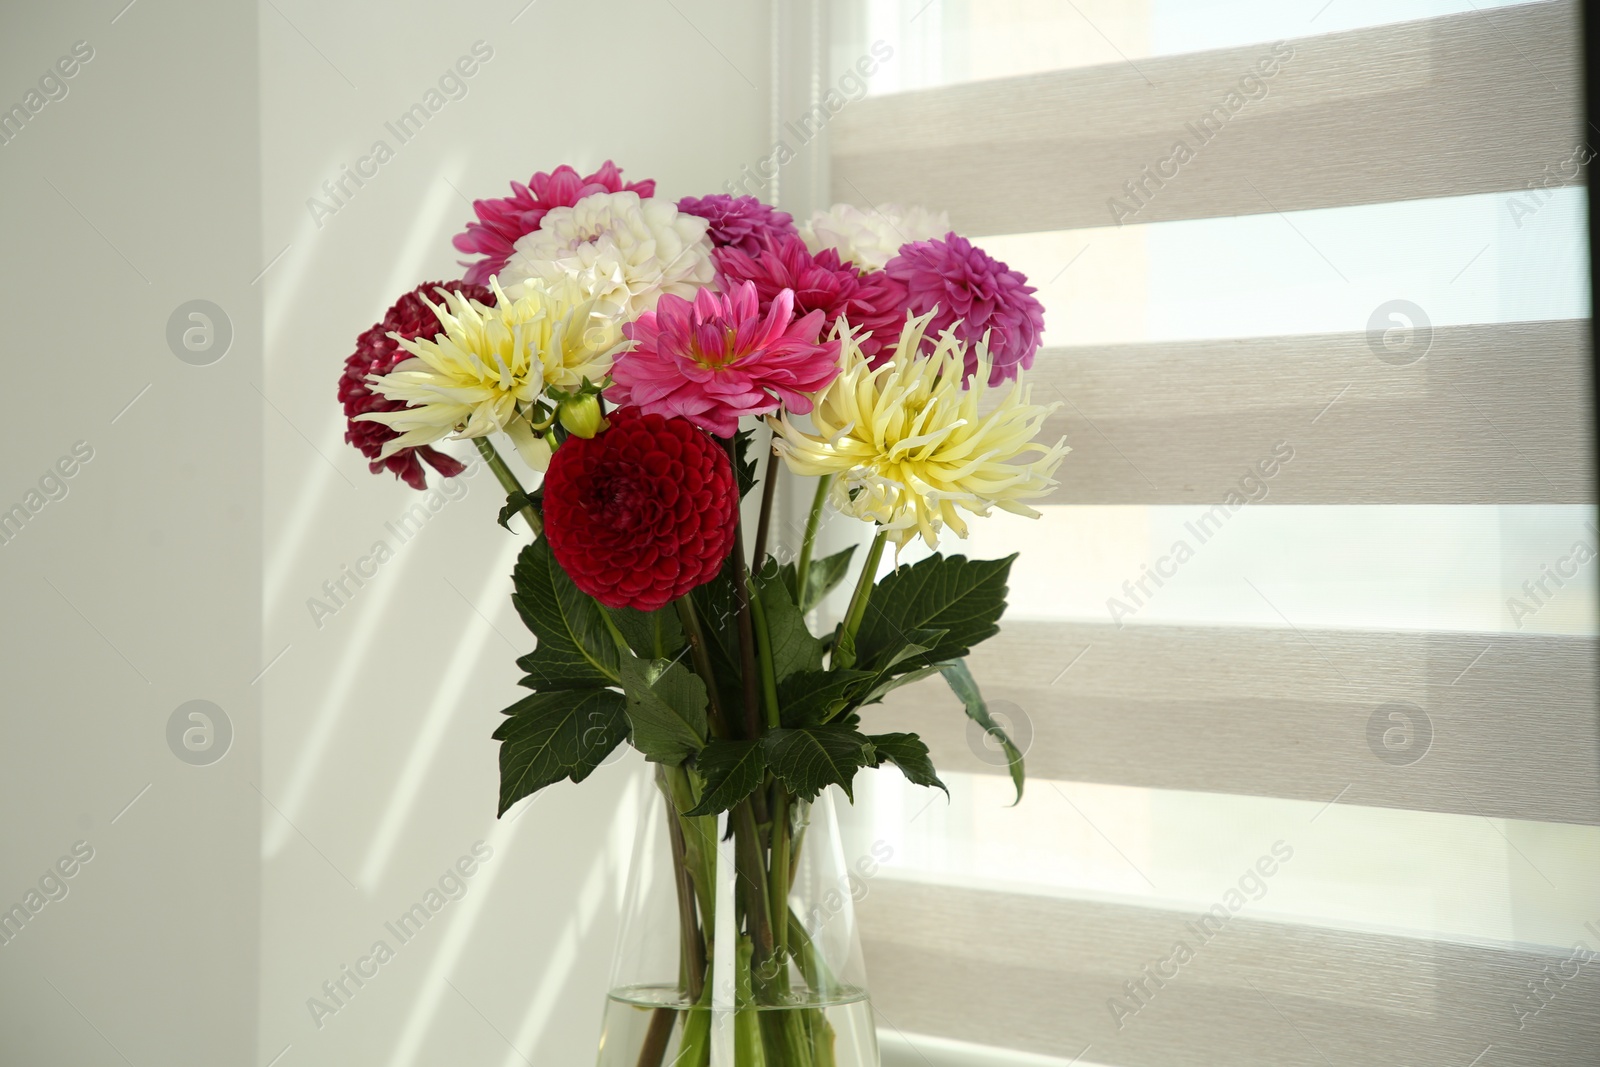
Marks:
<point>913,448</point>
<point>488,367</point>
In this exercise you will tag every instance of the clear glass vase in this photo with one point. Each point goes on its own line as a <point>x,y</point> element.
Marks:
<point>707,973</point>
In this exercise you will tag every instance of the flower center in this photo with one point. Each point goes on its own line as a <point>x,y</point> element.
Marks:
<point>716,358</point>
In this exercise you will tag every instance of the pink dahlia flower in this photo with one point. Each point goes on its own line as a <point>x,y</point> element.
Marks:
<point>873,304</point>
<point>378,353</point>
<point>977,295</point>
<point>741,222</point>
<point>503,220</point>
<point>721,357</point>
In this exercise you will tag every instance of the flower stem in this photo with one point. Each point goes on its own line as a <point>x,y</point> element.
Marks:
<point>769,681</point>
<point>844,646</point>
<point>769,485</point>
<point>803,569</point>
<point>702,661</point>
<point>747,639</point>
<point>508,481</point>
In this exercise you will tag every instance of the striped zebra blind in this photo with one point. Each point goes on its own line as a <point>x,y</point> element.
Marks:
<point>1304,648</point>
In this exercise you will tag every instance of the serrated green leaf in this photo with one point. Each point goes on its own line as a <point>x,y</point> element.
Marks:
<point>744,469</point>
<point>811,758</point>
<point>515,502</point>
<point>575,650</point>
<point>907,752</point>
<point>556,735</point>
<point>824,575</point>
<point>810,697</point>
<point>966,688</point>
<point>651,634</point>
<point>732,770</point>
<point>666,705</point>
<point>965,598</point>
<point>793,647</point>
<point>887,685</point>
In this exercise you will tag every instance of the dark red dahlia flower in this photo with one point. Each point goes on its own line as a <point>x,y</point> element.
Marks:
<point>377,353</point>
<point>978,295</point>
<point>641,513</point>
<point>741,222</point>
<point>873,302</point>
<point>504,219</point>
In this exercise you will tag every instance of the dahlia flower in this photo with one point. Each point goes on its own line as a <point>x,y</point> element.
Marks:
<point>869,239</point>
<point>378,352</point>
<point>913,447</point>
<point>640,513</point>
<point>503,220</point>
<point>873,304</point>
<point>965,288</point>
<point>489,364</point>
<point>740,222</point>
<point>638,249</point>
<point>717,358</point>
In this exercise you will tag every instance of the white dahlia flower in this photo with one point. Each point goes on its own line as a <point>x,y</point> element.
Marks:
<point>911,448</point>
<point>638,249</point>
<point>870,239</point>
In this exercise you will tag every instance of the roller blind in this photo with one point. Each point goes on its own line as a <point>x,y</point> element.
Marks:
<point>1321,572</point>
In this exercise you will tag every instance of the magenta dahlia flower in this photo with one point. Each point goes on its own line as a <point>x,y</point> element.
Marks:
<point>873,304</point>
<point>977,295</point>
<point>741,222</point>
<point>503,220</point>
<point>721,357</point>
<point>378,353</point>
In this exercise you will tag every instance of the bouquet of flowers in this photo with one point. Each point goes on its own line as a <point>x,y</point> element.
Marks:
<point>633,351</point>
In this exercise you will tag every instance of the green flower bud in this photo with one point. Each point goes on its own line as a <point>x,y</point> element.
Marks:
<point>581,415</point>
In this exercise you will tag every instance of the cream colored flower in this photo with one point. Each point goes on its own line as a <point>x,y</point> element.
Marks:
<point>913,449</point>
<point>484,373</point>
<point>638,249</point>
<point>870,239</point>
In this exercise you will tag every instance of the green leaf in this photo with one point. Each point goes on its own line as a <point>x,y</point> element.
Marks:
<point>651,634</point>
<point>793,647</point>
<point>888,684</point>
<point>811,758</point>
<point>825,573</point>
<point>907,752</point>
<point>810,697</point>
<point>515,502</point>
<point>556,735</point>
<point>965,598</point>
<point>744,468</point>
<point>732,770</point>
<point>666,707</point>
<point>575,650</point>
<point>966,688</point>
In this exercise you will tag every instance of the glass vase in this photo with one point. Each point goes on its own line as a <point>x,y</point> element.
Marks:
<point>738,945</point>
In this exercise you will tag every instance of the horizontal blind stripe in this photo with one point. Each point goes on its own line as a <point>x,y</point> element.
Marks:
<point>1493,414</point>
<point>1285,713</point>
<point>1467,103</point>
<point>1036,973</point>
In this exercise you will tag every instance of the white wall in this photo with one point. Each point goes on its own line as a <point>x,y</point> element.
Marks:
<point>138,590</point>
<point>376,742</point>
